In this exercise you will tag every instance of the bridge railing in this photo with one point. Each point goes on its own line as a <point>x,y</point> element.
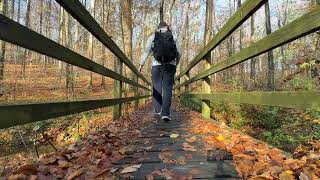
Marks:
<point>302,26</point>
<point>15,33</point>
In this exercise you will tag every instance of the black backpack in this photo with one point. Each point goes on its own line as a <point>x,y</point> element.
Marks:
<point>164,47</point>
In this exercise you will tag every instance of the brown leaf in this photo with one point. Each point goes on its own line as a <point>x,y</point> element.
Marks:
<point>285,176</point>
<point>165,156</point>
<point>64,164</point>
<point>130,169</point>
<point>149,177</point>
<point>27,169</point>
<point>101,172</point>
<point>75,174</point>
<point>192,139</point>
<point>188,147</point>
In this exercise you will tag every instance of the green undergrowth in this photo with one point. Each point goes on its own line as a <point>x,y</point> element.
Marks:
<point>281,127</point>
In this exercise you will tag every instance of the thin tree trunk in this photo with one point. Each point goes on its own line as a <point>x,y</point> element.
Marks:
<point>241,65</point>
<point>40,24</point>
<point>26,54</point>
<point>60,39</point>
<point>69,67</point>
<point>90,45</point>
<point>3,10</point>
<point>253,60</point>
<point>161,11</point>
<point>270,70</point>
<point>48,28</point>
<point>12,8</point>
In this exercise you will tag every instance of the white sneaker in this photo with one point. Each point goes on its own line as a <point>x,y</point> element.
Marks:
<point>166,118</point>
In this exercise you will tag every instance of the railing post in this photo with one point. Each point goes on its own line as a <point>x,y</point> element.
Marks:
<point>178,89</point>
<point>117,89</point>
<point>186,87</point>
<point>136,93</point>
<point>206,82</point>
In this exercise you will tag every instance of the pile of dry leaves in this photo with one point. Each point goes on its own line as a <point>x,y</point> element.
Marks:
<point>91,157</point>
<point>255,159</point>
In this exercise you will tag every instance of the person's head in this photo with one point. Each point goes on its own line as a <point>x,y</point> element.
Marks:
<point>163,25</point>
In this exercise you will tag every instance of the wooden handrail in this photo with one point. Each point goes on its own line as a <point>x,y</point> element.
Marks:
<point>13,115</point>
<point>287,99</point>
<point>20,35</point>
<point>245,11</point>
<point>79,12</point>
<point>302,26</point>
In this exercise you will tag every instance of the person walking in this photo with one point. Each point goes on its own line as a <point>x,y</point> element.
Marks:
<point>166,56</point>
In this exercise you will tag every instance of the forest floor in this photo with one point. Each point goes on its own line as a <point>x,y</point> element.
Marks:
<point>95,156</point>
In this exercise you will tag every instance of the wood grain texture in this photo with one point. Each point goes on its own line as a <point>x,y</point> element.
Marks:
<point>12,115</point>
<point>287,99</point>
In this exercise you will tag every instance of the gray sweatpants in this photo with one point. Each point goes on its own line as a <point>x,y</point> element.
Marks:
<point>162,81</point>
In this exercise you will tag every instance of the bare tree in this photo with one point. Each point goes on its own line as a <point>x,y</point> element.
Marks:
<point>270,69</point>
<point>3,10</point>
<point>26,52</point>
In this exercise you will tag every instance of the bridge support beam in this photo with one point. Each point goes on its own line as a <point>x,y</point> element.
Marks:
<point>117,92</point>
<point>206,88</point>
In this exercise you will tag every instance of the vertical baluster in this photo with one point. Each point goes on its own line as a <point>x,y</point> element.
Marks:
<point>118,66</point>
<point>206,82</point>
<point>136,93</point>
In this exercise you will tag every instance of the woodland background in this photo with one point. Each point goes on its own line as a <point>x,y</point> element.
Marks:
<point>26,76</point>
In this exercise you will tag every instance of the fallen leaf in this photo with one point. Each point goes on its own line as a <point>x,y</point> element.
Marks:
<point>174,136</point>
<point>302,176</point>
<point>64,164</point>
<point>148,148</point>
<point>75,174</point>
<point>113,170</point>
<point>166,157</point>
<point>101,172</point>
<point>188,147</point>
<point>220,138</point>
<point>27,169</point>
<point>285,176</point>
<point>130,169</point>
<point>149,177</point>
<point>192,139</point>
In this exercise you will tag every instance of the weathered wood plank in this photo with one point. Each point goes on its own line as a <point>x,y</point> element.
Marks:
<point>117,90</point>
<point>245,11</point>
<point>196,170</point>
<point>12,115</point>
<point>300,100</point>
<point>304,25</point>
<point>79,12</point>
<point>17,34</point>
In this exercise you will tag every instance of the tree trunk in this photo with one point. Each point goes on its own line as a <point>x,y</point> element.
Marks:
<point>12,8</point>
<point>69,67</point>
<point>161,11</point>
<point>40,24</point>
<point>253,60</point>
<point>3,10</point>
<point>241,65</point>
<point>60,39</point>
<point>270,70</point>
<point>48,28</point>
<point>26,52</point>
<point>105,22</point>
<point>90,45</point>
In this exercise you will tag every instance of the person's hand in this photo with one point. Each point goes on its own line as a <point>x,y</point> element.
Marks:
<point>140,68</point>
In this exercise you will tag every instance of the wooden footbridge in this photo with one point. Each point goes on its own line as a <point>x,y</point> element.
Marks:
<point>13,115</point>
